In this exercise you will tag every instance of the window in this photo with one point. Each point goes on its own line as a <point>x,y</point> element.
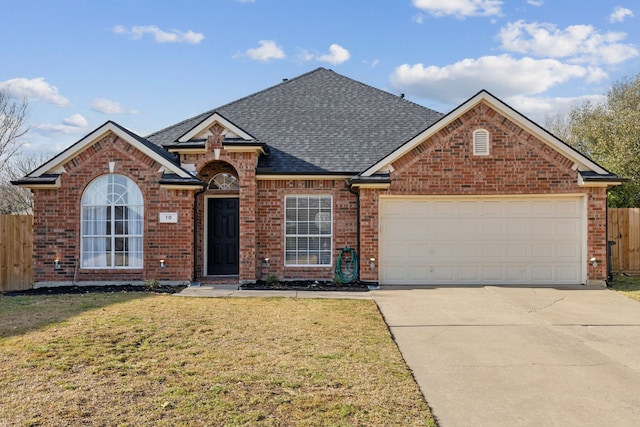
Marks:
<point>309,226</point>
<point>480,142</point>
<point>112,223</point>
<point>224,181</point>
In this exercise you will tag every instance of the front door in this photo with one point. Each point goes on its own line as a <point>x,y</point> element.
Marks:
<point>223,237</point>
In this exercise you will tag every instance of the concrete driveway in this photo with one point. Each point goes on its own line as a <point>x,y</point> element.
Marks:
<point>516,356</point>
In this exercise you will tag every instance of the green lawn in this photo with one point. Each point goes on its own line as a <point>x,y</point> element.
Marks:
<point>627,285</point>
<point>133,359</point>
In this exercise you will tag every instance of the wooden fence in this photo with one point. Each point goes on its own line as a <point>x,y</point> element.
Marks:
<point>624,230</point>
<point>16,250</point>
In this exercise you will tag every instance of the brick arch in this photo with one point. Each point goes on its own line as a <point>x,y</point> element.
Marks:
<point>211,169</point>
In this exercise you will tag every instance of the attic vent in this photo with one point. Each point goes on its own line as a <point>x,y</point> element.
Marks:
<point>481,142</point>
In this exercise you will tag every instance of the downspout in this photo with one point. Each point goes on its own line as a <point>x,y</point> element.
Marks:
<point>357,194</point>
<point>195,233</point>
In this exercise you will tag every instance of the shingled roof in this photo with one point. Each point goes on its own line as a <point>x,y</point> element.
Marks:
<point>319,122</point>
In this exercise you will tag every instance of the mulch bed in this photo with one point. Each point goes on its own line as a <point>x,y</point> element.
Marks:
<point>302,285</point>
<point>62,290</point>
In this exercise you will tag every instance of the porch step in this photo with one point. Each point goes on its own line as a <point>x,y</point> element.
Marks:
<point>223,282</point>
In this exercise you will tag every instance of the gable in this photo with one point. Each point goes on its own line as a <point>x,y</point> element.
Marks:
<point>42,177</point>
<point>202,129</point>
<point>506,123</point>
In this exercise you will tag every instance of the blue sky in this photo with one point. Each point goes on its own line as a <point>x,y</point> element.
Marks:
<point>149,64</point>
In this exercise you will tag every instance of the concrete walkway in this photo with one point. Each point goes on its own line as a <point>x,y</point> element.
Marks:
<point>496,356</point>
<point>233,291</point>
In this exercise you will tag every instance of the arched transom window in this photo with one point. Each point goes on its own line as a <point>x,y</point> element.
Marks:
<point>112,223</point>
<point>224,181</point>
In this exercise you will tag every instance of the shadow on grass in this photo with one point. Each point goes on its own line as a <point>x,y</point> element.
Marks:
<point>626,283</point>
<point>23,312</point>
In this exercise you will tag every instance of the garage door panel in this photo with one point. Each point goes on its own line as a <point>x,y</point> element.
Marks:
<point>475,240</point>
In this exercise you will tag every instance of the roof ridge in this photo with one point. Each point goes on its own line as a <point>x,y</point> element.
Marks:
<point>254,94</point>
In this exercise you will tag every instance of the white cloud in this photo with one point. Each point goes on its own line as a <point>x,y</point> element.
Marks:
<point>105,106</point>
<point>536,3</point>
<point>620,14</point>
<point>52,130</point>
<point>34,89</point>
<point>76,120</point>
<point>538,108</point>
<point>418,18</point>
<point>460,8</point>
<point>578,43</point>
<point>502,75</point>
<point>160,36</point>
<point>268,50</point>
<point>372,64</point>
<point>337,55</point>
<point>305,55</point>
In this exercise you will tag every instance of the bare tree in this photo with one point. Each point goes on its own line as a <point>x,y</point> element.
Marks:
<point>13,118</point>
<point>13,125</point>
<point>15,199</point>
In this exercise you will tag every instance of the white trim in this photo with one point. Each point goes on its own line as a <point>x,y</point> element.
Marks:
<point>210,121</point>
<point>282,177</point>
<point>284,230</point>
<point>180,187</point>
<point>583,183</point>
<point>95,136</point>
<point>381,185</point>
<point>55,185</point>
<point>257,148</point>
<point>188,150</point>
<point>503,109</point>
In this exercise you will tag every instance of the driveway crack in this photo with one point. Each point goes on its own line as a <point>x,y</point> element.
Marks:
<point>546,306</point>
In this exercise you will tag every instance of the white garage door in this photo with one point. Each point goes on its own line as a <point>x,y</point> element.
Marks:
<point>476,240</point>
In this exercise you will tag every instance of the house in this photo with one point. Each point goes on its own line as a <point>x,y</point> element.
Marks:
<point>280,181</point>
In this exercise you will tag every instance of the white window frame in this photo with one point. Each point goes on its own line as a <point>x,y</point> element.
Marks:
<point>115,198</point>
<point>309,229</point>
<point>225,182</point>
<point>481,142</point>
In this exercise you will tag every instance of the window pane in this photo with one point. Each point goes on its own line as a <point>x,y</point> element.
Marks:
<point>112,206</point>
<point>308,230</point>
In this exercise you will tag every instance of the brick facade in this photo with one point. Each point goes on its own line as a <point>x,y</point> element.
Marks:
<point>444,164</point>
<point>57,220</point>
<point>518,164</point>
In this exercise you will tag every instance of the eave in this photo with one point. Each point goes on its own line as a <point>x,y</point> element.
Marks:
<point>45,181</point>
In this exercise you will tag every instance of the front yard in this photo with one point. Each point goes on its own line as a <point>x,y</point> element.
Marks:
<point>133,359</point>
<point>627,285</point>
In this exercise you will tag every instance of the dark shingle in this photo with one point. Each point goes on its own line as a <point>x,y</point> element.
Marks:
<point>319,122</point>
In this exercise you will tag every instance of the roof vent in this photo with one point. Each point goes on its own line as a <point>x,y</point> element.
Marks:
<point>285,80</point>
<point>402,95</point>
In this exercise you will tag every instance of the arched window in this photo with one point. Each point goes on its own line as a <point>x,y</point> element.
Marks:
<point>112,223</point>
<point>224,181</point>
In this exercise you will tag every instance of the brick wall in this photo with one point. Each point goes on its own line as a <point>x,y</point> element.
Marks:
<point>270,225</point>
<point>57,219</point>
<point>518,163</point>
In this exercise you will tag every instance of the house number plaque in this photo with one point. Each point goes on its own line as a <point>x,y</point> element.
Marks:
<point>168,216</point>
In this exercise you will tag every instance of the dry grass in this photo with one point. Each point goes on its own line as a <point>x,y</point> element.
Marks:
<point>627,285</point>
<point>147,359</point>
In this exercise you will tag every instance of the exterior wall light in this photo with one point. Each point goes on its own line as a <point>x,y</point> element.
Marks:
<point>372,263</point>
<point>162,264</point>
<point>265,260</point>
<point>56,264</point>
<point>594,261</point>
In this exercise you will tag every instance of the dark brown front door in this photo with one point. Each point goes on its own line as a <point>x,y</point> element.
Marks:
<point>223,237</point>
